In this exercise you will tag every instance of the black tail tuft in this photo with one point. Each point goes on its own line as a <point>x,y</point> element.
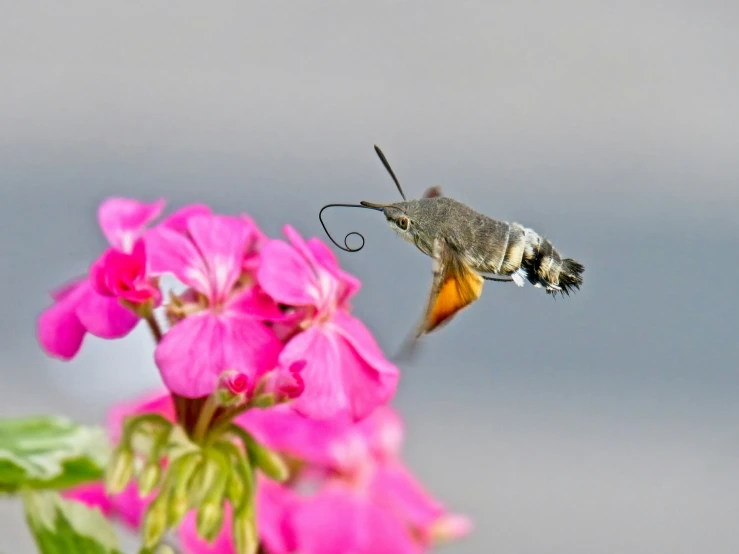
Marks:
<point>570,276</point>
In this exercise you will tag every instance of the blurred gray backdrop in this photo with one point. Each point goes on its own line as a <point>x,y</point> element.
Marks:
<point>603,423</point>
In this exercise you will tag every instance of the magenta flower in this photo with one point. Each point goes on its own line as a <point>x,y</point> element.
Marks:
<point>236,383</point>
<point>122,275</point>
<point>383,507</point>
<point>359,475</point>
<point>345,370</point>
<point>128,507</point>
<point>79,309</point>
<point>223,330</point>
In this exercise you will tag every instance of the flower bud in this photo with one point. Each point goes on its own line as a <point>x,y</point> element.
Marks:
<point>244,532</point>
<point>266,400</point>
<point>268,461</point>
<point>280,385</point>
<point>119,471</point>
<point>182,471</point>
<point>210,519</point>
<point>149,478</point>
<point>233,388</point>
<point>209,474</point>
<point>290,383</point>
<point>240,485</point>
<point>235,489</point>
<point>155,521</point>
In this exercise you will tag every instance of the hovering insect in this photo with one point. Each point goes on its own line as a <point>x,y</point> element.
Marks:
<point>466,247</point>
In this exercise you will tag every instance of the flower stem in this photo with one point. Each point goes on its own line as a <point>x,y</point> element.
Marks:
<point>204,418</point>
<point>222,422</point>
<point>153,326</point>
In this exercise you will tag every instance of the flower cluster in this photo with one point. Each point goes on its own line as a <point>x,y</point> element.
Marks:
<point>348,491</point>
<point>261,307</point>
<point>274,431</point>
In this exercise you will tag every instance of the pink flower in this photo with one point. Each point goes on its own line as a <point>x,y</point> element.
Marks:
<point>346,371</point>
<point>121,275</point>
<point>364,528</point>
<point>360,475</point>
<point>78,307</point>
<point>127,506</point>
<point>225,332</point>
<point>236,383</point>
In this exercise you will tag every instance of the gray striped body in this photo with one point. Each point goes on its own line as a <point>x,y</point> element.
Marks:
<point>485,244</point>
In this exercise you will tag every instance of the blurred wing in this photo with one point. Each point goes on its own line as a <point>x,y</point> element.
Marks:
<point>455,286</point>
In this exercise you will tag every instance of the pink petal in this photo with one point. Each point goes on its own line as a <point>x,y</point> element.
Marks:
<point>256,303</point>
<point>365,346</point>
<point>281,428</point>
<point>402,494</point>
<point>364,527</point>
<point>127,506</point>
<point>198,349</point>
<point>275,504</point>
<point>383,430</point>
<point>299,244</point>
<point>221,241</point>
<point>349,285</point>
<point>286,275</point>
<point>448,527</point>
<point>123,275</point>
<point>122,220</point>
<point>90,494</point>
<point>177,221</point>
<point>337,379</point>
<point>258,237</point>
<point>172,252</point>
<point>103,316</point>
<point>68,288</point>
<point>130,507</point>
<point>59,329</point>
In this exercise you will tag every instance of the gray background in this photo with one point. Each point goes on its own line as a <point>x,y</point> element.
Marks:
<point>605,423</point>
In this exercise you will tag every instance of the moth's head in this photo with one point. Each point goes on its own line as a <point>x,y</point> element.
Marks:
<point>398,215</point>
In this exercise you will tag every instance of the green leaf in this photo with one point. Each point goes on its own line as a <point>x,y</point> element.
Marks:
<point>49,453</point>
<point>62,526</point>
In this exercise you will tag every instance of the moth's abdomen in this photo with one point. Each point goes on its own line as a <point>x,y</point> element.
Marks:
<point>511,249</point>
<point>545,267</point>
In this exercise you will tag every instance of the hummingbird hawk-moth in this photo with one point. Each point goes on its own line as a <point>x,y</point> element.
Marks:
<point>467,248</point>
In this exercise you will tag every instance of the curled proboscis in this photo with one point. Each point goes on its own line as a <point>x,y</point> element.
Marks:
<point>346,247</point>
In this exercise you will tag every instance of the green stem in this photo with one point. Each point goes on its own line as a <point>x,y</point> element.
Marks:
<point>221,423</point>
<point>204,419</point>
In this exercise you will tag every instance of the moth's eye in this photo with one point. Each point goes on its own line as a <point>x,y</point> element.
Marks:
<point>403,223</point>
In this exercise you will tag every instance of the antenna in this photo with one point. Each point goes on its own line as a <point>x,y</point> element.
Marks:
<point>384,161</point>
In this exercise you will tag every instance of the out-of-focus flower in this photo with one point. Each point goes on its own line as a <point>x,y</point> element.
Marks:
<point>361,480</point>
<point>122,275</point>
<point>236,383</point>
<point>128,506</point>
<point>345,370</point>
<point>79,307</point>
<point>273,429</point>
<point>224,329</point>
